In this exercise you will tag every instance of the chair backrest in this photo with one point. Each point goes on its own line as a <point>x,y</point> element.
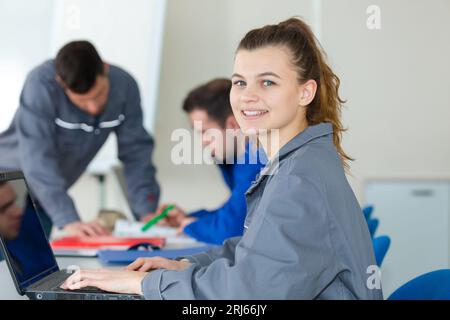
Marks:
<point>373,225</point>
<point>367,211</point>
<point>380,247</point>
<point>433,285</point>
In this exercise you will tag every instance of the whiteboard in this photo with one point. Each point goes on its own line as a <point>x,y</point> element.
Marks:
<point>24,30</point>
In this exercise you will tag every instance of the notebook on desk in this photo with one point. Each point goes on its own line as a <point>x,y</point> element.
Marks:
<point>131,229</point>
<point>126,228</point>
<point>103,242</point>
<point>128,256</point>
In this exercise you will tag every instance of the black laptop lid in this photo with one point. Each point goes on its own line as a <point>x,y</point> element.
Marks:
<point>24,245</point>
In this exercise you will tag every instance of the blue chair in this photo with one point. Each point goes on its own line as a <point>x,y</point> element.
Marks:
<point>367,211</point>
<point>433,285</point>
<point>381,245</point>
<point>373,225</point>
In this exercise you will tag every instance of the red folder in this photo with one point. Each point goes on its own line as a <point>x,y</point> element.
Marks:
<point>103,242</point>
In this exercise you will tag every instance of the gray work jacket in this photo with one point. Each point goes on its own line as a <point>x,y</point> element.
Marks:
<point>305,236</point>
<point>52,141</point>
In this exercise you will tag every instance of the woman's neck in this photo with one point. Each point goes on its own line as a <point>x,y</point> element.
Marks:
<point>275,139</point>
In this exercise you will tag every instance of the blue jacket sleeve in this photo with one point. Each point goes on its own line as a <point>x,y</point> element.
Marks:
<point>201,213</point>
<point>227,221</point>
<point>135,147</point>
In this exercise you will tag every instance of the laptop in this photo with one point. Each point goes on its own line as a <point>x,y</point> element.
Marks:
<point>27,251</point>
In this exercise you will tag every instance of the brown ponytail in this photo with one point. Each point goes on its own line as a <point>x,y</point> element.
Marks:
<point>310,61</point>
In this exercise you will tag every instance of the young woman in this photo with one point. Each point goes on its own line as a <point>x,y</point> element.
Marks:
<point>305,236</point>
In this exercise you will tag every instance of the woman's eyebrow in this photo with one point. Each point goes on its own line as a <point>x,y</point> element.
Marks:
<point>265,74</point>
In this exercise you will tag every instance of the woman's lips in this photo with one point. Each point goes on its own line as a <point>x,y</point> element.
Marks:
<point>253,114</point>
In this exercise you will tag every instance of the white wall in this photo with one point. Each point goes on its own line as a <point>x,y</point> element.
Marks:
<point>24,30</point>
<point>397,85</point>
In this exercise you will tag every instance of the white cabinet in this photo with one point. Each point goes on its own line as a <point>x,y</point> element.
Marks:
<point>415,214</point>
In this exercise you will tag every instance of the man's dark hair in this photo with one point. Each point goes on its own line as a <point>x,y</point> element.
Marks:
<point>2,183</point>
<point>78,64</point>
<point>212,97</point>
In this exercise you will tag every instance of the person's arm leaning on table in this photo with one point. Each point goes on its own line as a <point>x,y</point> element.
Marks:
<point>131,279</point>
<point>135,146</point>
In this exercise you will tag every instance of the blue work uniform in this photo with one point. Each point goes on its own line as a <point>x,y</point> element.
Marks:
<point>217,225</point>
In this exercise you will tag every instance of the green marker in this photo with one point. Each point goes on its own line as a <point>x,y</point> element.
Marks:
<point>155,220</point>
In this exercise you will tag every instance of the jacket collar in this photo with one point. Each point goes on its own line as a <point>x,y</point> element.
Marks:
<point>307,135</point>
<point>310,133</point>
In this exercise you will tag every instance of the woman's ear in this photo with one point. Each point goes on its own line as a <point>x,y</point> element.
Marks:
<point>307,92</point>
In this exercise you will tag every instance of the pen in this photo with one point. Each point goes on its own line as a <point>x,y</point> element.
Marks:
<point>155,220</point>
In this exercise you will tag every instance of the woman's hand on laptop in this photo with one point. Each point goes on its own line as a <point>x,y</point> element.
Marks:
<point>148,264</point>
<point>128,282</point>
<point>88,229</point>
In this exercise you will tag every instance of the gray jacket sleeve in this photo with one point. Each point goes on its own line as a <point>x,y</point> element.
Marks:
<point>38,152</point>
<point>225,251</point>
<point>135,147</point>
<point>284,254</point>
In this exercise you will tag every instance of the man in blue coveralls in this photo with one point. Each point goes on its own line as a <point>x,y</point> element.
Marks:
<point>209,105</point>
<point>68,108</point>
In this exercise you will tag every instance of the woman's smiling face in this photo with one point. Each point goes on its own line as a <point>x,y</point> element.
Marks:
<point>266,93</point>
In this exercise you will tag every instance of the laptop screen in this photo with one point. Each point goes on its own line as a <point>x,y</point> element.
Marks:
<point>28,253</point>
